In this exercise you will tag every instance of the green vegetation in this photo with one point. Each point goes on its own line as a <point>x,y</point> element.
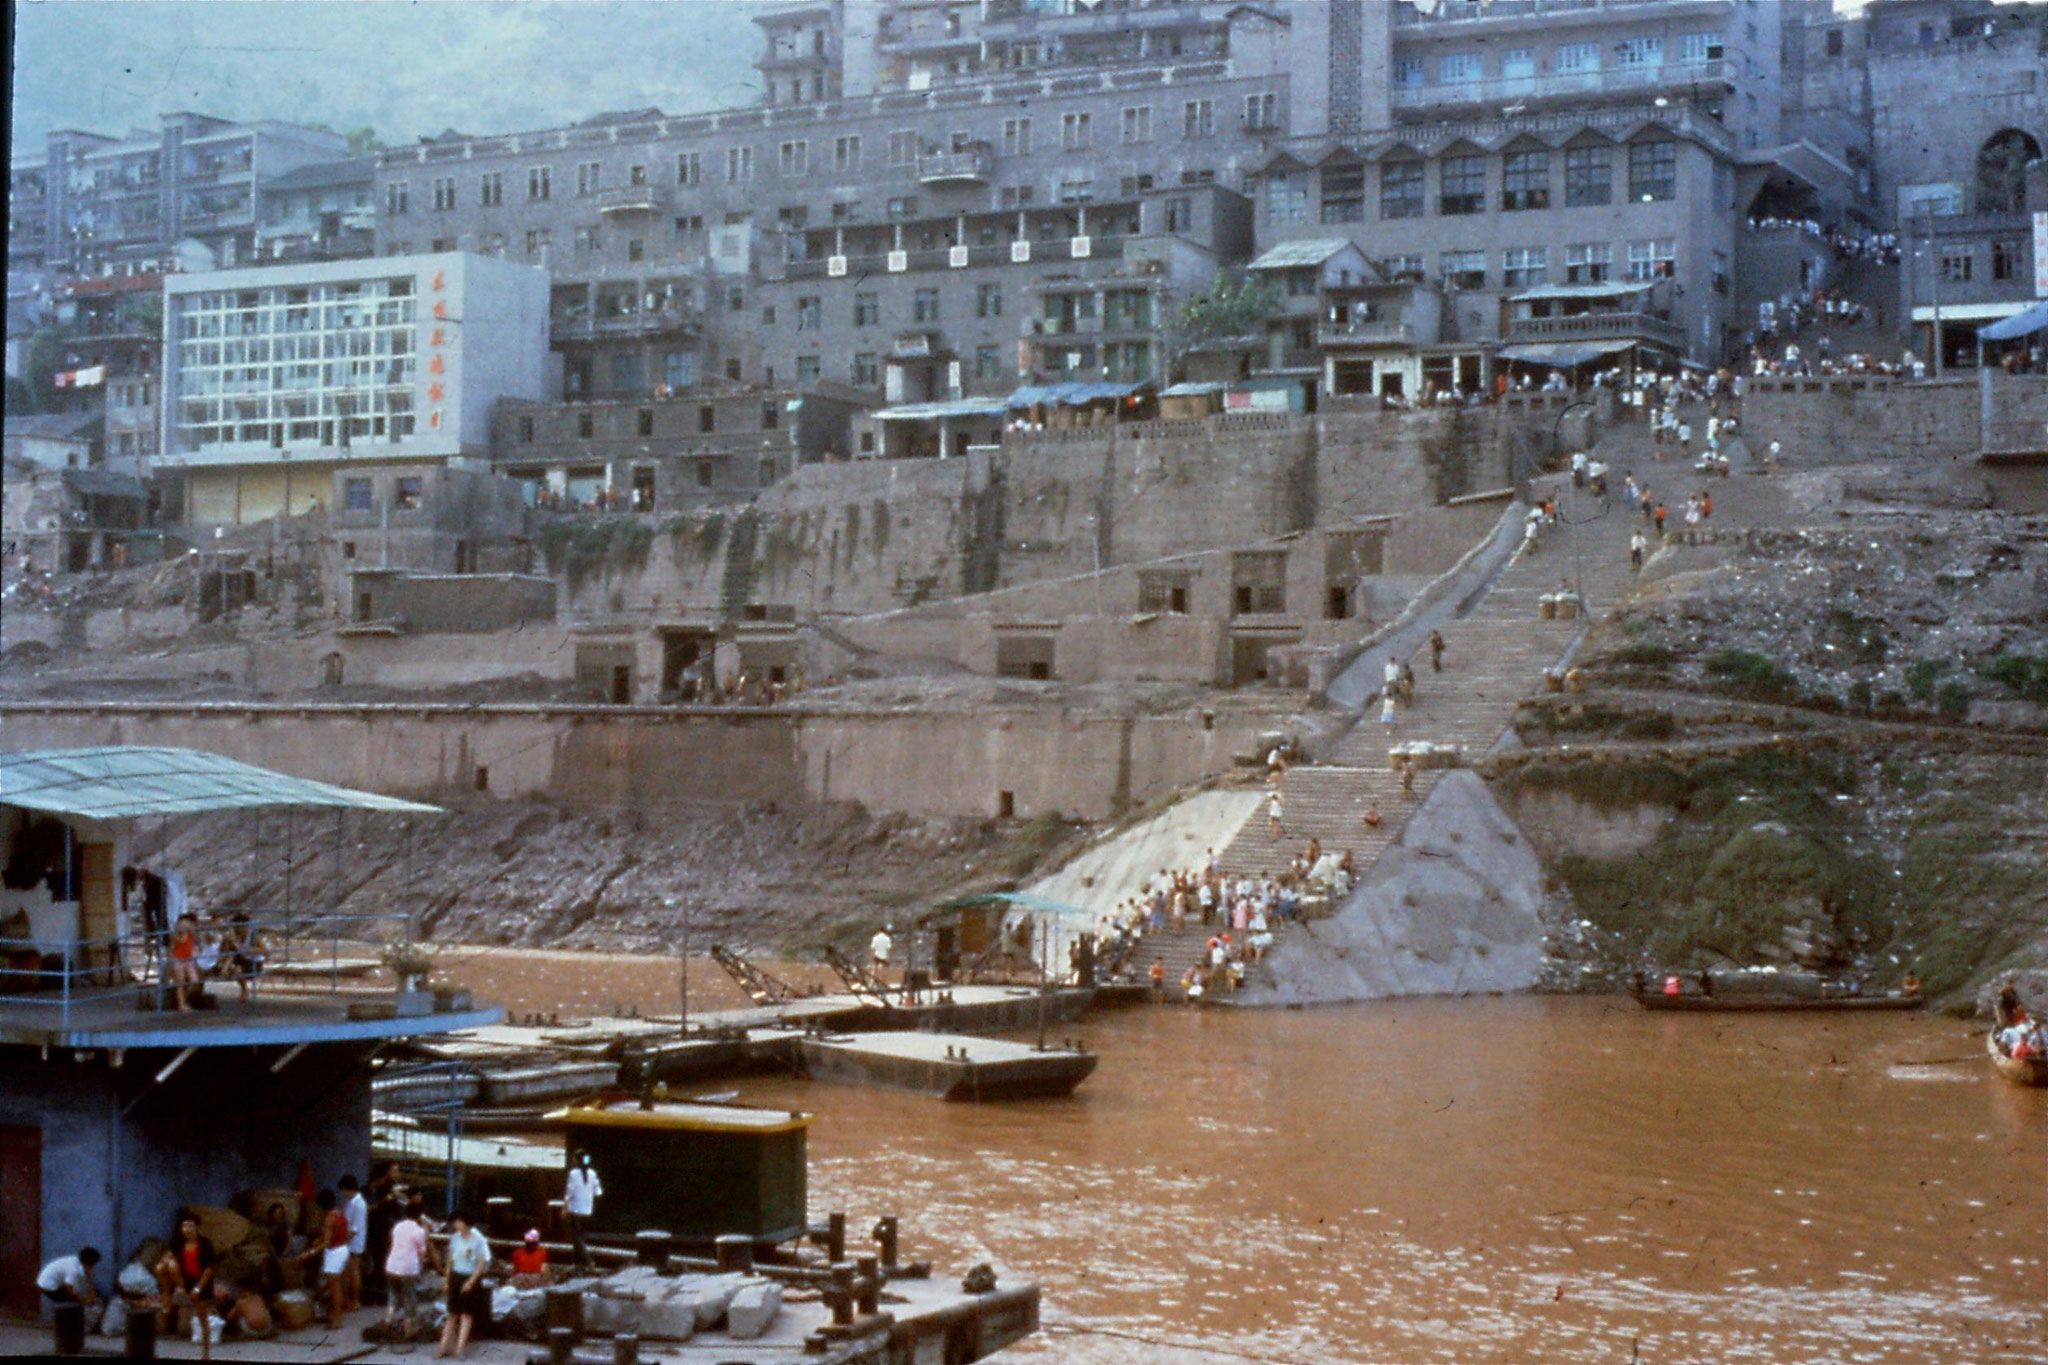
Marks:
<point>1647,653</point>
<point>1232,305</point>
<point>1921,675</point>
<point>1864,635</point>
<point>2026,675</point>
<point>1596,718</point>
<point>1953,698</point>
<point>1032,840</point>
<point>1748,673</point>
<point>1946,884</point>
<point>578,549</point>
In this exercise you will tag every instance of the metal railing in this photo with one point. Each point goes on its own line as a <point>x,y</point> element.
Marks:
<point>1597,326</point>
<point>74,972</point>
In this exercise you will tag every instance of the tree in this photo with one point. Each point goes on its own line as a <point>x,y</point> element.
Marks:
<point>1233,305</point>
<point>363,141</point>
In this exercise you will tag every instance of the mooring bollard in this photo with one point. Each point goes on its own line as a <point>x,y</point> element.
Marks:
<point>735,1251</point>
<point>68,1322</point>
<point>563,1310</point>
<point>561,1345</point>
<point>839,1294</point>
<point>139,1343</point>
<point>500,1219</point>
<point>885,1233</point>
<point>650,1247</point>
<point>626,1348</point>
<point>835,1238</point>
<point>867,1284</point>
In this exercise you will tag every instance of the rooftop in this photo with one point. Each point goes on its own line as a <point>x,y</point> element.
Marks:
<point>273,1017</point>
<point>120,782</point>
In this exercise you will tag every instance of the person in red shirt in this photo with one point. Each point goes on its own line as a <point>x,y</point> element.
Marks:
<point>185,1272</point>
<point>530,1262</point>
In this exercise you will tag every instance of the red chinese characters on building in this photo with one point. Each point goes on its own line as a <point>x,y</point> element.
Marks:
<point>437,338</point>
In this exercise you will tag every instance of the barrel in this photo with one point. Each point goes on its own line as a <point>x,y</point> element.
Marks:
<point>140,1341</point>
<point>70,1324</point>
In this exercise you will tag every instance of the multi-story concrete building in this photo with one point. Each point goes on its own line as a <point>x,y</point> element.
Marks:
<point>273,378</point>
<point>186,193</point>
<point>321,212</point>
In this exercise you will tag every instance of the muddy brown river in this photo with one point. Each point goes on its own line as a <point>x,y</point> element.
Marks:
<point>1512,1180</point>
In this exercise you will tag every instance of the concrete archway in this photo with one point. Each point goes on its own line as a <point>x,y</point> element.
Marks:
<point>2002,170</point>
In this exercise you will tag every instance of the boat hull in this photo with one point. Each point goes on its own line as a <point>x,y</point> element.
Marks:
<point>1746,1002</point>
<point>2030,1071</point>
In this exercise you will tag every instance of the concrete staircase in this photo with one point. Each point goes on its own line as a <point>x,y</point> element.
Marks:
<point>1494,657</point>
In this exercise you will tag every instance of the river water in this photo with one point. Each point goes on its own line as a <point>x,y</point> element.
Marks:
<point>1512,1179</point>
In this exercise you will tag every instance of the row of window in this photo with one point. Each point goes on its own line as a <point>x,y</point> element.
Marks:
<point>1566,59</point>
<point>2008,262</point>
<point>1523,267</point>
<point>1464,183</point>
<point>793,157</point>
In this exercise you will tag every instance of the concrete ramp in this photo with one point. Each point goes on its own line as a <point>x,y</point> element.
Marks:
<point>1113,871</point>
<point>1453,906</point>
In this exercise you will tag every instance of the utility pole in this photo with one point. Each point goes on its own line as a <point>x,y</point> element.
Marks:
<point>1934,282</point>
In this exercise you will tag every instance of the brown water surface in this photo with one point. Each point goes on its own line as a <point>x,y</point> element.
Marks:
<point>1487,1180</point>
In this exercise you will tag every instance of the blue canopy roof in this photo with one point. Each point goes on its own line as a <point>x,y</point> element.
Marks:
<point>1070,394</point>
<point>122,781</point>
<point>2026,323</point>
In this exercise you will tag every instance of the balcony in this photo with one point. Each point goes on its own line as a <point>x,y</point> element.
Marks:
<point>643,198</point>
<point>1599,327</point>
<point>1339,335</point>
<point>971,165</point>
<point>1613,80</point>
<point>648,322</point>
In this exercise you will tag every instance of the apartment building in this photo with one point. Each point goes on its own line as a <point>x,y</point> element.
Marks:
<point>317,212</point>
<point>275,378</point>
<point>184,193</point>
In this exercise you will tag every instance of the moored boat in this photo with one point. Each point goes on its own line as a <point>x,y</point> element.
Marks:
<point>1761,1001</point>
<point>2018,1070</point>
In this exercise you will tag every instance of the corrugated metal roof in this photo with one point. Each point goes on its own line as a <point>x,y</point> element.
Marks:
<point>1070,394</point>
<point>1295,255</point>
<point>1189,390</point>
<point>2018,325</point>
<point>1563,354</point>
<point>322,174</point>
<point>1580,291</point>
<point>119,782</point>
<point>929,412</point>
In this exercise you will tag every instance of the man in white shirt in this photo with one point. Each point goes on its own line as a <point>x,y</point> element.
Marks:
<point>579,1201</point>
<point>68,1279</point>
<point>879,947</point>
<point>357,1210</point>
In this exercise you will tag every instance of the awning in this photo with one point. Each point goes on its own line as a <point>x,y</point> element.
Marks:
<point>104,483</point>
<point>122,781</point>
<point>1564,355</point>
<point>1189,390</point>
<point>933,412</point>
<point>1971,312</point>
<point>2035,319</point>
<point>1581,291</point>
<point>1070,394</point>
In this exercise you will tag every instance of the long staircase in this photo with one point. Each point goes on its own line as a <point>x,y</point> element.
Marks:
<point>1494,657</point>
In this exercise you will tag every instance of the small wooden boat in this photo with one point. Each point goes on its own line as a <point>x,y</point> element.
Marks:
<point>2018,1070</point>
<point>1734,1002</point>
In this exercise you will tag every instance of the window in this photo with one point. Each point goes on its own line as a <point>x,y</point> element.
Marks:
<point>846,211</point>
<point>1286,199</point>
<point>1463,269</point>
<point>1525,181</point>
<point>1163,590</point>
<point>1410,71</point>
<point>736,299</point>
<point>538,240</point>
<point>586,425</point>
<point>1523,267</point>
<point>1401,191</point>
<point>1834,42</point>
<point>1722,281</point>
<point>1958,265</point>
<point>1588,176</point>
<point>1077,132</point>
<point>491,191</point>
<point>1016,137</point>
<point>358,495</point>
<point>1262,111</point>
<point>739,165</point>
<point>902,148</point>
<point>810,314</point>
<point>645,425</point>
<point>526,428</point>
<point>636,175</point>
<point>679,368</point>
<point>925,306</point>
<point>1457,68</point>
<point>1343,193</point>
<point>988,301</point>
<point>795,158</point>
<point>539,181</point>
<point>1699,47</point>
<point>1016,196</point>
<point>1652,171</point>
<point>771,415</point>
<point>867,308</point>
<point>732,369</point>
<point>587,241</point>
<point>1180,214</point>
<point>395,195</point>
<point>1130,187</point>
<point>1639,52</point>
<point>1588,263</point>
<point>706,469</point>
<point>1078,191</point>
<point>636,249</point>
<point>1463,185</point>
<point>689,169</point>
<point>808,368</point>
<point>987,364</point>
<point>768,315</point>
<point>587,174</point>
<point>793,215</point>
<point>1576,59</point>
<point>444,244</point>
<point>867,369</point>
<point>2005,263</point>
<point>707,419</point>
<point>1654,259</point>
<point>689,225</point>
<point>846,154</point>
<point>1517,63</point>
<point>1138,123</point>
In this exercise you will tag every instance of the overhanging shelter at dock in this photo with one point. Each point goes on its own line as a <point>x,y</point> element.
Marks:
<point>116,1109</point>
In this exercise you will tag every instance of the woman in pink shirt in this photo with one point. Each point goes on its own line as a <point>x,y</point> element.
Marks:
<point>410,1253</point>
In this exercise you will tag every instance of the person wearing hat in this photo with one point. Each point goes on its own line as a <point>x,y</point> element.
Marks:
<point>530,1262</point>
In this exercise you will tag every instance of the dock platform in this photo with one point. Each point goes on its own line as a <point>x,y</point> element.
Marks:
<point>950,1066</point>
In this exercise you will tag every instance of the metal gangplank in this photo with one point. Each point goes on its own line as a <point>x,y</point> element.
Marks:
<point>861,982</point>
<point>762,986</point>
